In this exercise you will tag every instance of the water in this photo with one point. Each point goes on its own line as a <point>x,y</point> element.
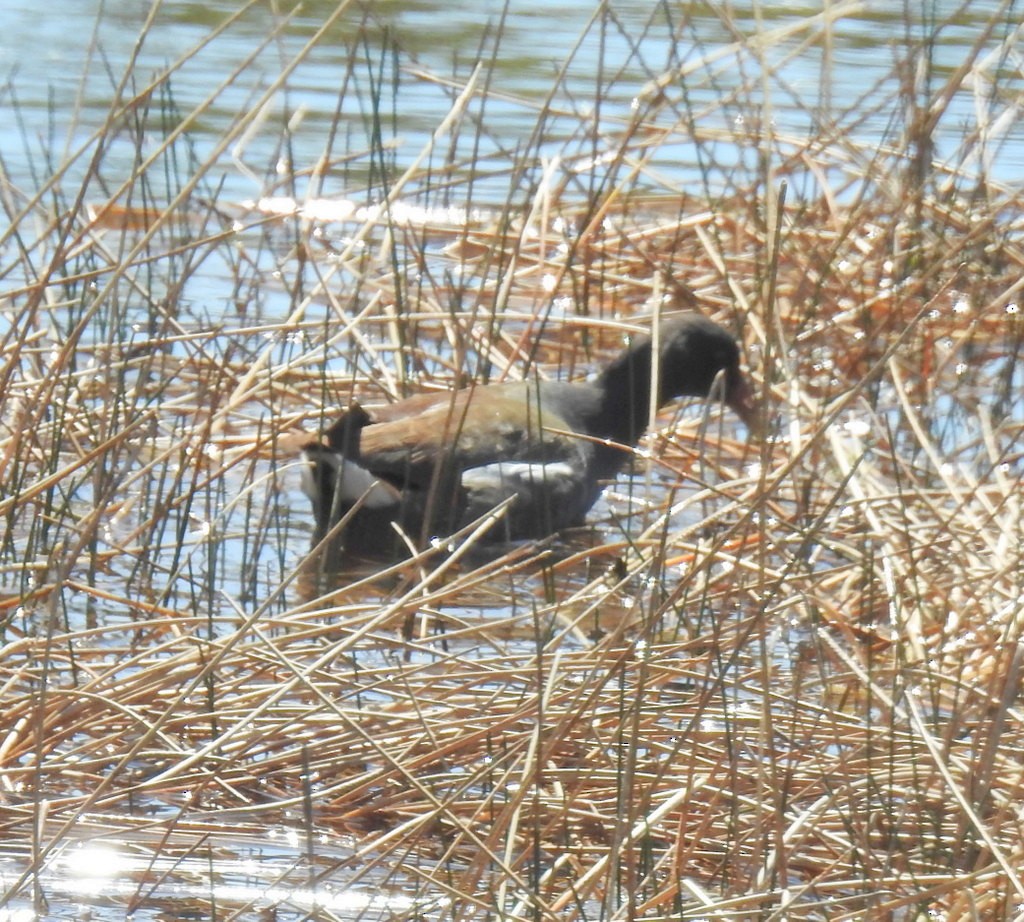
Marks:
<point>199,574</point>
<point>593,72</point>
<point>256,870</point>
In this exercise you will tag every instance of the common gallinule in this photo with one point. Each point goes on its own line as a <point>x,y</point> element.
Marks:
<point>434,462</point>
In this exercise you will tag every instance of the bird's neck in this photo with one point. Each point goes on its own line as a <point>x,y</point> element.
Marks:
<point>626,387</point>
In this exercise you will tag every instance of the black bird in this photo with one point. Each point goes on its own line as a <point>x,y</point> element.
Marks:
<point>435,462</point>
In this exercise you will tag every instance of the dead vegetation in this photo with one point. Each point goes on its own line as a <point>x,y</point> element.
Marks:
<point>785,686</point>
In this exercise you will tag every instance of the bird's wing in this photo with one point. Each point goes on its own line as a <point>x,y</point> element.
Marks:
<point>405,442</point>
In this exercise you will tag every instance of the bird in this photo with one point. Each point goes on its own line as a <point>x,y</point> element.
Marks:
<point>414,471</point>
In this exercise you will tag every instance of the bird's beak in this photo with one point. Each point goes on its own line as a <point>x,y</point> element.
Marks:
<point>741,400</point>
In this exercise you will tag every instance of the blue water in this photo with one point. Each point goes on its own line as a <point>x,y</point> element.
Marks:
<point>61,71</point>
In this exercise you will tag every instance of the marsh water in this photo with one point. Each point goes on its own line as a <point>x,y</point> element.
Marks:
<point>584,61</point>
<point>586,66</point>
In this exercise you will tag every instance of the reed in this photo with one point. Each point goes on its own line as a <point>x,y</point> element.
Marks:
<point>776,679</point>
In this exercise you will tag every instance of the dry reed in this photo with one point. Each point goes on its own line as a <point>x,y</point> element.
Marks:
<point>779,679</point>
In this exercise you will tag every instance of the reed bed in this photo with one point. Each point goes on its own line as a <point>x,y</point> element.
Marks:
<point>778,678</point>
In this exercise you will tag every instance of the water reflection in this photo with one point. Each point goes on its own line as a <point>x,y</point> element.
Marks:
<point>113,876</point>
